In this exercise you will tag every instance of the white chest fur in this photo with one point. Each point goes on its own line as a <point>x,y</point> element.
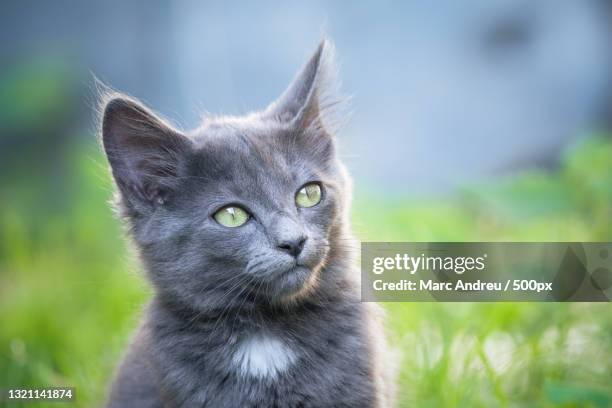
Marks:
<point>263,356</point>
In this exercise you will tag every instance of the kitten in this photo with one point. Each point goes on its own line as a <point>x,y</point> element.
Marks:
<point>242,226</point>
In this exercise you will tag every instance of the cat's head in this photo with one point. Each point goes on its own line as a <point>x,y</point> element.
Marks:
<point>243,209</point>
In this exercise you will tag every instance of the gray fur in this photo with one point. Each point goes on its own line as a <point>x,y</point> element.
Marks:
<point>217,288</point>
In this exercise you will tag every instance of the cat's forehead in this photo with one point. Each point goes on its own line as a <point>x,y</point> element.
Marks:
<point>249,150</point>
<point>244,138</point>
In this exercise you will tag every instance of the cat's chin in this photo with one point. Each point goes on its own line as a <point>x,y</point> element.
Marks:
<point>296,283</point>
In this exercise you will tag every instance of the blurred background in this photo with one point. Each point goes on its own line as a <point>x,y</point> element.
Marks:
<point>484,120</point>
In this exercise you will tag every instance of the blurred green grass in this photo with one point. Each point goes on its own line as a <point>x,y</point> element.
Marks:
<point>70,292</point>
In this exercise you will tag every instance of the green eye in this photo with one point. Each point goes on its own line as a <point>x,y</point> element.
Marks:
<point>231,216</point>
<point>309,195</point>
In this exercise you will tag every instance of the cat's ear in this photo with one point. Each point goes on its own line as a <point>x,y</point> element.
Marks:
<point>312,99</point>
<point>144,152</point>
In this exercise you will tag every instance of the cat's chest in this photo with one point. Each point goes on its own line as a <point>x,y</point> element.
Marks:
<point>262,356</point>
<point>306,365</point>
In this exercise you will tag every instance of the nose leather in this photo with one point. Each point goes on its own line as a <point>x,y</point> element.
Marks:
<point>288,235</point>
<point>294,247</point>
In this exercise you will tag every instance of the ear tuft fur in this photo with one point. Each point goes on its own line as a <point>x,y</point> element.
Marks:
<point>313,99</point>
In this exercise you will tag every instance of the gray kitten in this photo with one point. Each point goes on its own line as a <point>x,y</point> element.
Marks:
<point>242,226</point>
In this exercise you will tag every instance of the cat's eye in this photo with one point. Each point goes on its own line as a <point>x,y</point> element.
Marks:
<point>309,195</point>
<point>231,216</point>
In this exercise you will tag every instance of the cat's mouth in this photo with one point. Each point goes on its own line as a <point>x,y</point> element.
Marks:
<point>295,271</point>
<point>286,278</point>
<point>300,279</point>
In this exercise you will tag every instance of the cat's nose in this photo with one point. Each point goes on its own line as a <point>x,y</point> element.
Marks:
<point>292,246</point>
